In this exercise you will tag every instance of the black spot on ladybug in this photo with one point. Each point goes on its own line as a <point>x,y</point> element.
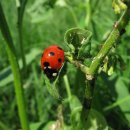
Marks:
<point>60,60</point>
<point>46,64</point>
<point>51,54</point>
<point>59,48</point>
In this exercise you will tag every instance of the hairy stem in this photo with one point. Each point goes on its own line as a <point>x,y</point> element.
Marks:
<point>104,50</point>
<point>98,59</point>
<point>109,43</point>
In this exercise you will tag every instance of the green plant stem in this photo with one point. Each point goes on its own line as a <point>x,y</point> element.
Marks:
<point>90,74</point>
<point>111,40</point>
<point>18,88</point>
<point>67,86</point>
<point>103,52</point>
<point>15,70</point>
<point>21,8</point>
<point>60,116</point>
<point>21,46</point>
<point>36,80</point>
<point>118,102</point>
<point>82,67</point>
<point>72,14</point>
<point>88,13</point>
<point>89,90</point>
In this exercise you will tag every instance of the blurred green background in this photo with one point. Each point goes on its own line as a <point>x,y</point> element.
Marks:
<point>45,22</point>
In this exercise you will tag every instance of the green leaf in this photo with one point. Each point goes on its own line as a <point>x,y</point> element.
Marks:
<point>110,71</point>
<point>78,41</point>
<point>40,8</point>
<point>96,121</point>
<point>35,126</point>
<point>123,98</point>
<point>21,8</point>
<point>76,108</point>
<point>74,102</point>
<point>6,76</point>
<point>48,126</point>
<point>4,126</point>
<point>55,124</point>
<point>5,30</point>
<point>52,87</point>
<point>123,92</point>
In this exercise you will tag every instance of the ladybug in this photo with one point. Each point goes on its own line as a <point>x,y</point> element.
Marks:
<point>52,60</point>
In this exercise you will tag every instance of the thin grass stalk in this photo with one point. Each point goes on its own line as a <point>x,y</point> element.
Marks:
<point>10,49</point>
<point>20,9</point>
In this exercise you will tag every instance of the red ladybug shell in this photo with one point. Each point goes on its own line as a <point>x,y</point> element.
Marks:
<point>52,60</point>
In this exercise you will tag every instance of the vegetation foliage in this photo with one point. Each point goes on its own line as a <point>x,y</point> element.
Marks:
<point>29,26</point>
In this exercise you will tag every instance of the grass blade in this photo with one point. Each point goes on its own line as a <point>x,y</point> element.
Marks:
<point>21,8</point>
<point>15,70</point>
